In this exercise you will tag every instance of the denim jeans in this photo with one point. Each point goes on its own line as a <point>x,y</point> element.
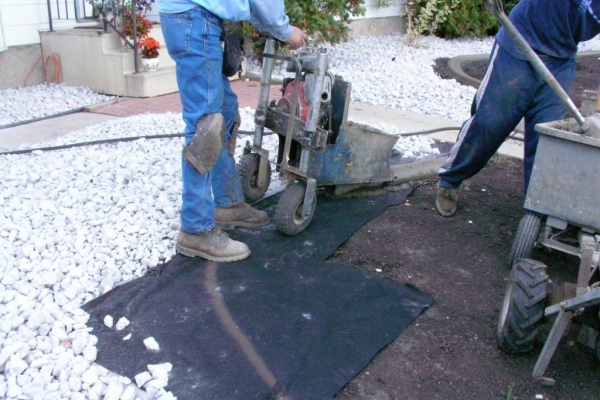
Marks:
<point>510,90</point>
<point>193,40</point>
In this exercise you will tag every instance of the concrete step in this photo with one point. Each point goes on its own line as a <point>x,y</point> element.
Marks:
<point>151,84</point>
<point>97,59</point>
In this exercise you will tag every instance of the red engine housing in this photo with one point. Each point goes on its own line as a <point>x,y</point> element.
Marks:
<point>285,103</point>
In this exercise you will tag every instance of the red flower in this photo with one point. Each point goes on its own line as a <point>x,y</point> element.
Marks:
<point>149,47</point>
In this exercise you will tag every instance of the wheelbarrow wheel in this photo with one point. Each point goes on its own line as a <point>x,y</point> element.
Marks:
<point>288,216</point>
<point>248,172</point>
<point>523,306</point>
<point>525,239</point>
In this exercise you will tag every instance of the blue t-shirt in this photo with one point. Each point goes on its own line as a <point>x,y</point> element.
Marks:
<point>552,27</point>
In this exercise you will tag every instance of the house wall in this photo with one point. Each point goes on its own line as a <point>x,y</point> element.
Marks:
<point>21,66</point>
<point>22,19</point>
<point>2,42</point>
<point>371,10</point>
<point>21,22</point>
<point>378,21</point>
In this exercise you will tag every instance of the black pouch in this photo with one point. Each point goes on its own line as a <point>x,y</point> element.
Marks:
<point>233,54</point>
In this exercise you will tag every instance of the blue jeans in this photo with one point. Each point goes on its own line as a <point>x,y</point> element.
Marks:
<point>510,90</point>
<point>193,40</point>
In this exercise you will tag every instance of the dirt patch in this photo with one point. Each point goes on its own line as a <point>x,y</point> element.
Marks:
<point>586,78</point>
<point>450,352</point>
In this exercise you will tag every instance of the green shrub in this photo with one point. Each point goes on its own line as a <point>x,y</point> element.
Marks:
<point>468,18</point>
<point>322,20</point>
<point>426,16</point>
<point>471,18</point>
<point>448,18</point>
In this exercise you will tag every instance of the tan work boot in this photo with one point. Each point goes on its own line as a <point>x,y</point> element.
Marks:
<point>446,201</point>
<point>240,215</point>
<point>213,245</point>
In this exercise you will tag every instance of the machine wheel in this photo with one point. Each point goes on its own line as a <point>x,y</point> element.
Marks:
<point>525,239</point>
<point>523,306</point>
<point>288,216</point>
<point>248,172</point>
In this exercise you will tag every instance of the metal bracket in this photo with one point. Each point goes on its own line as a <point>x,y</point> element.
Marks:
<point>262,163</point>
<point>549,347</point>
<point>309,196</point>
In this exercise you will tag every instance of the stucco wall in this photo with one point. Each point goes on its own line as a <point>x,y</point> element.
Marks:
<point>379,21</point>
<point>371,10</point>
<point>377,26</point>
<point>17,62</point>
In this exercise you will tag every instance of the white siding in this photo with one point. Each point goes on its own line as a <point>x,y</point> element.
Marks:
<point>21,20</point>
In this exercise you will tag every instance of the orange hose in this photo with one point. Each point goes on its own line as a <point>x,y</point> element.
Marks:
<point>55,78</point>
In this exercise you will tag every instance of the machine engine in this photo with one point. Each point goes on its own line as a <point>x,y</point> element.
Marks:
<point>306,86</point>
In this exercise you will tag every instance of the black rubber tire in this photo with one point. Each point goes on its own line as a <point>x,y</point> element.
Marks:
<point>248,172</point>
<point>523,306</point>
<point>288,216</point>
<point>526,238</point>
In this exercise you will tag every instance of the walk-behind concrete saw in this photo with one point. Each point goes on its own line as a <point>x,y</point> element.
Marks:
<point>318,146</point>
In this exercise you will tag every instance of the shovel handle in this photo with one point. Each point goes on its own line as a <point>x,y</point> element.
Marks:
<point>497,10</point>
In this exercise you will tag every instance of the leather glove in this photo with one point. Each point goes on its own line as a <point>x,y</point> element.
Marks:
<point>591,126</point>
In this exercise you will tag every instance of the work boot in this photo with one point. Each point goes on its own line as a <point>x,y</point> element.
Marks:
<point>446,201</point>
<point>213,245</point>
<point>240,215</point>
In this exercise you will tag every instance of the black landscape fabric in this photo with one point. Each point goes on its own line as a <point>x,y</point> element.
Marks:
<point>283,321</point>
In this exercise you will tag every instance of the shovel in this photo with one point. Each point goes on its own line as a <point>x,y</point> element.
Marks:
<point>495,7</point>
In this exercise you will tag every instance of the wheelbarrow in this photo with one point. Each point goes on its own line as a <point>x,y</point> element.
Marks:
<point>563,193</point>
<point>319,149</point>
<point>566,192</point>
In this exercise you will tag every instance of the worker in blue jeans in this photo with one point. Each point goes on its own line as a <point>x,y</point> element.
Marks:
<point>512,89</point>
<point>212,192</point>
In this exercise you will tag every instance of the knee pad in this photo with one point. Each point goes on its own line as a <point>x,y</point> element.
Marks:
<point>203,150</point>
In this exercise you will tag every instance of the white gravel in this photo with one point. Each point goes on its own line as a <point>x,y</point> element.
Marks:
<point>75,223</point>
<point>33,102</point>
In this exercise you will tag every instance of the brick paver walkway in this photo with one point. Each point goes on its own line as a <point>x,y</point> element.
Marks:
<point>247,91</point>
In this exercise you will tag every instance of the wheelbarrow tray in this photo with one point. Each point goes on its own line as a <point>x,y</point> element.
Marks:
<point>565,178</point>
<point>361,154</point>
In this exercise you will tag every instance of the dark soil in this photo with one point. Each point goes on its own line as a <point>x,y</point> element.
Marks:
<point>450,352</point>
<point>586,78</point>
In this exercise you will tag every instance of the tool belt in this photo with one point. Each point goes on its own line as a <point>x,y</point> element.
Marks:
<point>233,54</point>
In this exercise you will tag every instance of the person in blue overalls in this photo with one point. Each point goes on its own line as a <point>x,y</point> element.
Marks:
<point>212,192</point>
<point>512,89</point>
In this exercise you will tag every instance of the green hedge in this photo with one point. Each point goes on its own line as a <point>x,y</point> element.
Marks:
<point>449,18</point>
<point>470,18</point>
<point>322,20</point>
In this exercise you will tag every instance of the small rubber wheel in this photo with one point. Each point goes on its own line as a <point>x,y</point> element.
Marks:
<point>248,172</point>
<point>288,216</point>
<point>523,306</point>
<point>525,239</point>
